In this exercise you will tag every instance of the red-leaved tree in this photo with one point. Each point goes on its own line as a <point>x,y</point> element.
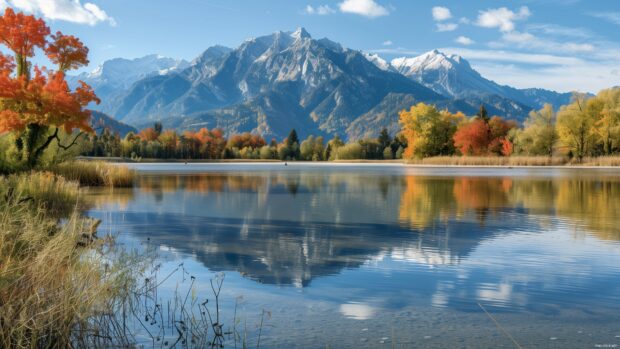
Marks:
<point>482,136</point>
<point>36,102</point>
<point>473,138</point>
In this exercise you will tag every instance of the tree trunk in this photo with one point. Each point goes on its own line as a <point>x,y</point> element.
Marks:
<point>32,143</point>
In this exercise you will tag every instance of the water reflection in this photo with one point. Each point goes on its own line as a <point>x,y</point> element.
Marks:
<point>288,228</point>
<point>374,243</point>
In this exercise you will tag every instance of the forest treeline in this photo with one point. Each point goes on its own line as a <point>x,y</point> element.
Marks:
<point>155,142</point>
<point>589,126</point>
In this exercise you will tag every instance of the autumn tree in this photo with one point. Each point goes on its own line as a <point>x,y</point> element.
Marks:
<point>539,134</point>
<point>483,136</point>
<point>499,128</point>
<point>429,132</point>
<point>575,124</point>
<point>36,103</point>
<point>605,110</point>
<point>473,137</point>
<point>332,145</point>
<point>312,148</point>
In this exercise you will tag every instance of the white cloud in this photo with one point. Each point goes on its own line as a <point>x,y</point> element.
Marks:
<point>446,27</point>
<point>514,57</point>
<point>388,43</point>
<point>529,41</point>
<point>502,18</point>
<point>64,10</point>
<point>558,30</point>
<point>463,40</point>
<point>320,10</point>
<point>613,17</point>
<point>367,8</point>
<point>555,72</point>
<point>517,37</point>
<point>441,13</point>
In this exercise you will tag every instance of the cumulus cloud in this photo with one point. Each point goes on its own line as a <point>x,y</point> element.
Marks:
<point>388,43</point>
<point>320,10</point>
<point>463,40</point>
<point>502,18</point>
<point>64,10</point>
<point>446,27</point>
<point>366,8</point>
<point>441,13</point>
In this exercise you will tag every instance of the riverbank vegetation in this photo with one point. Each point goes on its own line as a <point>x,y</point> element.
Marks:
<point>52,284</point>
<point>63,286</point>
<point>589,127</point>
<point>96,173</point>
<point>583,131</point>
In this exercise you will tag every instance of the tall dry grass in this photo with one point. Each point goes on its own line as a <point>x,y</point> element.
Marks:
<point>601,161</point>
<point>61,286</point>
<point>490,161</point>
<point>51,280</point>
<point>97,173</point>
<point>40,190</point>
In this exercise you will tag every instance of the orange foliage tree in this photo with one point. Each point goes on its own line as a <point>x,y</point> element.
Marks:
<point>473,137</point>
<point>36,102</point>
<point>482,136</point>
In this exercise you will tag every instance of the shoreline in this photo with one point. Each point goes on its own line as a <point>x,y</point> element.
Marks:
<point>380,164</point>
<point>402,163</point>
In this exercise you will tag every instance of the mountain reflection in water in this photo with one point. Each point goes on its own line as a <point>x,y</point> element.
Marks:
<point>331,250</point>
<point>288,228</point>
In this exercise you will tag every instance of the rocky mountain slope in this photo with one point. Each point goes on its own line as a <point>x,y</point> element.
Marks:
<point>285,80</point>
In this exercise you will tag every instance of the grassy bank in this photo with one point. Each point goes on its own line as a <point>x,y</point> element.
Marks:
<point>514,161</point>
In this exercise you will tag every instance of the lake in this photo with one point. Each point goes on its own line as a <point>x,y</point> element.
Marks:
<point>371,256</point>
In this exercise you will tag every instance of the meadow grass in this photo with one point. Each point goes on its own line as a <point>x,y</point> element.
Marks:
<point>95,173</point>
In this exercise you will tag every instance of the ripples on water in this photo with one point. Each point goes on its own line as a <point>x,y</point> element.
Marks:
<point>352,255</point>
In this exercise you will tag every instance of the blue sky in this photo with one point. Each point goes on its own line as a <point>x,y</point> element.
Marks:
<point>558,44</point>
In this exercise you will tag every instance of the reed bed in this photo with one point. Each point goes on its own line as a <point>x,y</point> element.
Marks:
<point>39,190</point>
<point>490,161</point>
<point>97,173</point>
<point>47,285</point>
<point>601,161</point>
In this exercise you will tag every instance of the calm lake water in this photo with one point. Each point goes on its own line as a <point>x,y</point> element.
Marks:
<point>387,256</point>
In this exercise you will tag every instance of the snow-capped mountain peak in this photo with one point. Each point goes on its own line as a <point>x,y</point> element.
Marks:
<point>432,60</point>
<point>301,33</point>
<point>130,70</point>
<point>378,61</point>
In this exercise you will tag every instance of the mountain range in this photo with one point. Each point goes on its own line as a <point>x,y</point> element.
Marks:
<point>285,80</point>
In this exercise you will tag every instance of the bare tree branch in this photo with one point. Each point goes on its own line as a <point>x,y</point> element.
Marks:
<point>71,144</point>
